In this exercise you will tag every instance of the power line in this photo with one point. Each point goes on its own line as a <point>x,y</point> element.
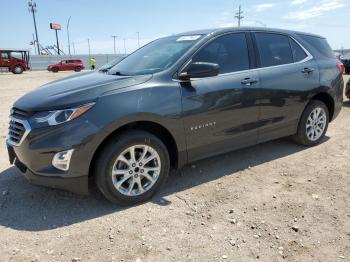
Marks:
<point>239,15</point>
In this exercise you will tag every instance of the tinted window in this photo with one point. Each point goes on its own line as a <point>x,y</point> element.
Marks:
<point>230,52</point>
<point>320,45</point>
<point>274,49</point>
<point>298,52</point>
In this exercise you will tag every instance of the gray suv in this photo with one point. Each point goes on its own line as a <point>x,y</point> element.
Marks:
<point>176,100</point>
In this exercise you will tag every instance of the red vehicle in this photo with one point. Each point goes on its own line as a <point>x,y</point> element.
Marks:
<point>65,65</point>
<point>14,63</point>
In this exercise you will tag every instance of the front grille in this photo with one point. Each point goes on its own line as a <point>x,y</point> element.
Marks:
<point>18,130</point>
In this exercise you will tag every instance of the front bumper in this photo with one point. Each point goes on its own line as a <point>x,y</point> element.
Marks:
<point>34,155</point>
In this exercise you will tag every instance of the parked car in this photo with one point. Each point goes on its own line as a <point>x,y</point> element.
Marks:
<point>66,65</point>
<point>176,100</point>
<point>11,63</point>
<point>347,89</point>
<point>346,61</point>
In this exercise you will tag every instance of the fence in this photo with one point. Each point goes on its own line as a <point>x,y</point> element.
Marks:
<point>41,62</point>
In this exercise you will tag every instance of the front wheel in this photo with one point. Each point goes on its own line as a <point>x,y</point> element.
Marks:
<point>313,124</point>
<point>132,168</point>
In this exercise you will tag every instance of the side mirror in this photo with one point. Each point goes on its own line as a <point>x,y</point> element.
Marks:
<point>199,70</point>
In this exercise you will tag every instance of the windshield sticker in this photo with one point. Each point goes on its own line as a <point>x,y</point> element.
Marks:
<point>188,38</point>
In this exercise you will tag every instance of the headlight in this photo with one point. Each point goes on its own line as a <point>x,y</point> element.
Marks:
<point>57,117</point>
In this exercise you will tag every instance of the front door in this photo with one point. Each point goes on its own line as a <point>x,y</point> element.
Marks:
<point>221,112</point>
<point>5,60</point>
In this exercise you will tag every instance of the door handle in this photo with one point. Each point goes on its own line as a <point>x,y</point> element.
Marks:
<point>249,81</point>
<point>307,70</point>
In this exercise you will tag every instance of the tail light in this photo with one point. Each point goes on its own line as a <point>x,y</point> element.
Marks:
<point>341,68</point>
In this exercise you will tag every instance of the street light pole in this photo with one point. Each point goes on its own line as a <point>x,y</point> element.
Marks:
<point>138,39</point>
<point>124,46</point>
<point>68,35</point>
<point>114,38</point>
<point>89,46</point>
<point>32,9</point>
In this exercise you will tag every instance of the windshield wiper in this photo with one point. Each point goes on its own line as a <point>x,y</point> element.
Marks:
<point>118,73</point>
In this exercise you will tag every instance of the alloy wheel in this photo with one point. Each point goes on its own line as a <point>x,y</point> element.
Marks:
<point>316,124</point>
<point>136,170</point>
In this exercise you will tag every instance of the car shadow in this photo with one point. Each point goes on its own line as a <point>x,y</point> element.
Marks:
<point>32,208</point>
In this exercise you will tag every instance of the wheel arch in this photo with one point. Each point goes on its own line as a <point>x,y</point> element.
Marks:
<point>149,126</point>
<point>328,100</point>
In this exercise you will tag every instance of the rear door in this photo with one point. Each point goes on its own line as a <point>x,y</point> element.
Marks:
<point>287,73</point>
<point>221,112</point>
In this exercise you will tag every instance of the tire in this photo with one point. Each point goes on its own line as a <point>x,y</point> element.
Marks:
<point>18,69</point>
<point>77,69</point>
<point>55,70</point>
<point>302,136</point>
<point>108,159</point>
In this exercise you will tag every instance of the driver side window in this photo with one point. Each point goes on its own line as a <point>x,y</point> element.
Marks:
<point>230,52</point>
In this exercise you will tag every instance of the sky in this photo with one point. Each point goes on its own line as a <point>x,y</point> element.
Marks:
<point>98,20</point>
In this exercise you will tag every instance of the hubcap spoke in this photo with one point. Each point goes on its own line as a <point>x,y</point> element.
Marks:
<point>136,170</point>
<point>316,123</point>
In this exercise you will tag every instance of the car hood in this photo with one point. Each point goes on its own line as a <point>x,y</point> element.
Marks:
<point>75,90</point>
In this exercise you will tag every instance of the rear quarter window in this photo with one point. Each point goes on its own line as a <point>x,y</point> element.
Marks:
<point>319,45</point>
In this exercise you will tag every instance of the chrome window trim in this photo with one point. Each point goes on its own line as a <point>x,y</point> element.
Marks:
<point>27,128</point>
<point>306,59</point>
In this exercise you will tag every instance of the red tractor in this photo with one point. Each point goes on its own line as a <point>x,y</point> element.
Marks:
<point>14,60</point>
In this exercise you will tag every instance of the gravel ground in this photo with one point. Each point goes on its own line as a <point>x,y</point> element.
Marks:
<point>273,202</point>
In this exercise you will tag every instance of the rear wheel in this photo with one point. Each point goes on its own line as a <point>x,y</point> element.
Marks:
<point>77,69</point>
<point>132,168</point>
<point>18,69</point>
<point>313,124</point>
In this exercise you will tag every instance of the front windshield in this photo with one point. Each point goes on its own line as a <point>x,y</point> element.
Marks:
<point>156,56</point>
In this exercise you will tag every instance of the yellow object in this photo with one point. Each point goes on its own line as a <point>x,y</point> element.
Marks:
<point>92,62</point>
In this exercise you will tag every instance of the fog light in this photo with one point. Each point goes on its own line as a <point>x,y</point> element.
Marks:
<point>61,160</point>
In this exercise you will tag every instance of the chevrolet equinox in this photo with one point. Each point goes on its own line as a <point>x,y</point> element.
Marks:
<point>176,100</point>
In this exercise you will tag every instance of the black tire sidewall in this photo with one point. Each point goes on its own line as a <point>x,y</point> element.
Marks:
<point>109,155</point>
<point>301,136</point>
<point>55,69</point>
<point>77,69</point>
<point>19,72</point>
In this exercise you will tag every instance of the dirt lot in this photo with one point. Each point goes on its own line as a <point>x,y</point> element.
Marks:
<point>272,202</point>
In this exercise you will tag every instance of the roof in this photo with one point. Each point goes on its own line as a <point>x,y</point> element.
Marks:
<point>230,29</point>
<point>14,50</point>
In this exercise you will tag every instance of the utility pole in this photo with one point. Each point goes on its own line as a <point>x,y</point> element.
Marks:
<point>114,38</point>
<point>33,10</point>
<point>239,15</point>
<point>138,39</point>
<point>68,35</point>
<point>34,44</point>
<point>124,46</point>
<point>89,46</point>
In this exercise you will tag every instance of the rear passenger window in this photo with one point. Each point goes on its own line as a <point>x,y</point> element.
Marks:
<point>230,52</point>
<point>320,45</point>
<point>298,52</point>
<point>274,49</point>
